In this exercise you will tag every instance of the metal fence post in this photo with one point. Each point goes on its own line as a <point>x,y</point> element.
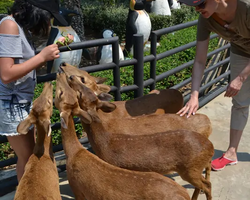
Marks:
<point>153,62</point>
<point>116,71</point>
<point>138,68</point>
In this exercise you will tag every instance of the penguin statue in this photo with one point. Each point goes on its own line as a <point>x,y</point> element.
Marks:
<point>104,53</point>
<point>161,7</point>
<point>138,22</point>
<point>57,31</point>
<point>175,5</point>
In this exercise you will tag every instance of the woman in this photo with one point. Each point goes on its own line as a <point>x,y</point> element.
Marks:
<point>17,69</point>
<point>231,20</point>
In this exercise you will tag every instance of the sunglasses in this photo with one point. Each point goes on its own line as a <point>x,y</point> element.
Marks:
<point>202,5</point>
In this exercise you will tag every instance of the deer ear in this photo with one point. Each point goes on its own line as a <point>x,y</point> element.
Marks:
<point>47,127</point>
<point>103,88</point>
<point>100,80</point>
<point>23,126</point>
<point>64,119</point>
<point>105,97</point>
<point>106,106</point>
<point>83,115</point>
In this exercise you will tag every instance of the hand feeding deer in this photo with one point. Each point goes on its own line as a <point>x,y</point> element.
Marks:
<point>40,180</point>
<point>152,103</point>
<point>182,151</point>
<point>94,179</point>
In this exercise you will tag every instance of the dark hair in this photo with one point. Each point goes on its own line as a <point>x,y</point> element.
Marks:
<point>31,17</point>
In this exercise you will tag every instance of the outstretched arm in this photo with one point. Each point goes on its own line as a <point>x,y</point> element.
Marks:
<point>198,70</point>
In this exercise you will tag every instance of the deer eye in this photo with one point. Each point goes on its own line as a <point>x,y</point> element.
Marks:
<point>83,80</point>
<point>60,95</point>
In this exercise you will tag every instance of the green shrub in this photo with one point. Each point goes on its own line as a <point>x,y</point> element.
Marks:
<point>4,5</point>
<point>99,17</point>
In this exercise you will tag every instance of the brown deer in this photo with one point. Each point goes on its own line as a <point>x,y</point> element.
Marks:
<point>183,151</point>
<point>166,101</point>
<point>40,179</point>
<point>158,101</point>
<point>94,179</point>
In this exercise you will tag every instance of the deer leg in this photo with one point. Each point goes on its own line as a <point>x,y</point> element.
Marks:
<point>207,171</point>
<point>199,182</point>
<point>206,188</point>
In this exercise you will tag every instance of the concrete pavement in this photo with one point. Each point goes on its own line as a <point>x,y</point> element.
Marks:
<point>233,183</point>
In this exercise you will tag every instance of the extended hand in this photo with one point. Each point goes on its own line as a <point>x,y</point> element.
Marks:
<point>234,87</point>
<point>190,108</point>
<point>50,52</point>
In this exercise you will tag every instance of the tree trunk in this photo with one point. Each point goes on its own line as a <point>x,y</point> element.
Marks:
<point>77,21</point>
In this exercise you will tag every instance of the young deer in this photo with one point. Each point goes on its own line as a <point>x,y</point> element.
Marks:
<point>94,179</point>
<point>167,101</point>
<point>40,180</point>
<point>182,151</point>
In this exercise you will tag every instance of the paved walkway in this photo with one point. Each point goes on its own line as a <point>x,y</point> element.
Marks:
<point>233,183</point>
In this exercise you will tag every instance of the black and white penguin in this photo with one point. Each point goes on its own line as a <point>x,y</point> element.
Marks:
<point>104,53</point>
<point>57,31</point>
<point>138,22</point>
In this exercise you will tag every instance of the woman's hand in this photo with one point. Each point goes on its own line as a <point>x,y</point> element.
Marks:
<point>234,87</point>
<point>50,52</point>
<point>190,108</point>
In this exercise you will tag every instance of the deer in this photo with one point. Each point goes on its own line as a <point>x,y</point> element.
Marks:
<point>94,179</point>
<point>40,179</point>
<point>183,151</point>
<point>163,102</point>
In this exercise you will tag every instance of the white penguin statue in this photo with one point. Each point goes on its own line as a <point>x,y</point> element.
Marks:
<point>175,5</point>
<point>57,31</point>
<point>104,53</point>
<point>161,7</point>
<point>138,22</point>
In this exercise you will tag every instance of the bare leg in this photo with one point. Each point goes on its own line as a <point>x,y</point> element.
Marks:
<point>235,136</point>
<point>23,146</point>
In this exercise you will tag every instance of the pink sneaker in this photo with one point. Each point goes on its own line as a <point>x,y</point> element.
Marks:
<point>221,162</point>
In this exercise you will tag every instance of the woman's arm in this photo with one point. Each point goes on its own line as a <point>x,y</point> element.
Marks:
<point>9,71</point>
<point>198,70</point>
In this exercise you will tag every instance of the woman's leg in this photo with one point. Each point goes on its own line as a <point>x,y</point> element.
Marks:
<point>240,108</point>
<point>23,146</point>
<point>239,113</point>
<point>235,136</point>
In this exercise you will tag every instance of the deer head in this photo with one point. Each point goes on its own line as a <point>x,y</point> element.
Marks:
<point>88,100</point>
<point>94,83</point>
<point>41,112</point>
<point>67,103</point>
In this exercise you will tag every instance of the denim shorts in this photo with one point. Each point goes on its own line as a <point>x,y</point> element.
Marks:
<point>11,115</point>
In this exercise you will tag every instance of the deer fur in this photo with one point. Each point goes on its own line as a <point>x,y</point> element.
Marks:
<point>164,102</point>
<point>183,151</point>
<point>94,179</point>
<point>40,179</point>
<point>156,102</point>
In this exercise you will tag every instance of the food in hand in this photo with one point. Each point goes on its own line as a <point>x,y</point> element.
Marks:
<point>64,40</point>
